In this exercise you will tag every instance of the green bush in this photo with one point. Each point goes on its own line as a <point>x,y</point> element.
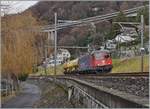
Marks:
<point>23,77</point>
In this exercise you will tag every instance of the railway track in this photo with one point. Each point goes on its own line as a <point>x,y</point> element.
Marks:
<point>135,83</point>
<point>98,76</point>
<point>128,74</point>
<point>133,86</point>
<point>130,86</point>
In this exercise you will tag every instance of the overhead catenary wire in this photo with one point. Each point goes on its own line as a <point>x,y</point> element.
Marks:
<point>83,47</point>
<point>81,22</point>
<point>96,18</point>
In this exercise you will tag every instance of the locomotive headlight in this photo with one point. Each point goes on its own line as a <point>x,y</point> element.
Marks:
<point>103,61</point>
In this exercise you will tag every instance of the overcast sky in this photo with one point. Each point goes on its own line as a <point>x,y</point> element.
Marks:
<point>18,6</point>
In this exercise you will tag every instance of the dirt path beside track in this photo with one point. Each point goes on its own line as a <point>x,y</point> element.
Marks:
<point>28,95</point>
<point>41,93</point>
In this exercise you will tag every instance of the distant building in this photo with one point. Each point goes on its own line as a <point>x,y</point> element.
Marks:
<point>124,38</point>
<point>126,35</point>
<point>110,44</point>
<point>62,56</point>
<point>130,31</point>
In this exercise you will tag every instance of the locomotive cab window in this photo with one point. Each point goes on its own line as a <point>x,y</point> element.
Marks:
<point>98,55</point>
<point>101,55</point>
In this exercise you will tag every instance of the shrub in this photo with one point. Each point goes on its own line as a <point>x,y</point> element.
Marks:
<point>23,77</point>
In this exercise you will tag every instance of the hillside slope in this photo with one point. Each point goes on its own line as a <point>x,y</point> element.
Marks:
<point>74,10</point>
<point>80,36</point>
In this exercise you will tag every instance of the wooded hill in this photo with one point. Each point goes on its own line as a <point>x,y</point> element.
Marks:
<point>75,10</point>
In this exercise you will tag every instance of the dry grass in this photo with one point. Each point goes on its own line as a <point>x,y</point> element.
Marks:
<point>127,65</point>
<point>50,70</point>
<point>130,65</point>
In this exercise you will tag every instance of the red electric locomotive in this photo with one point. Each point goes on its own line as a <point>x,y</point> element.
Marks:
<point>97,62</point>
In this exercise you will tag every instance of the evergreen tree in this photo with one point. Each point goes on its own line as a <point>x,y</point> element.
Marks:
<point>115,29</point>
<point>145,13</point>
<point>121,17</point>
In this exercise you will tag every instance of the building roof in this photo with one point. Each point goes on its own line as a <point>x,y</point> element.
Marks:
<point>124,38</point>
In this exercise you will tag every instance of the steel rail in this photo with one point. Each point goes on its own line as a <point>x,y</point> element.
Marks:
<point>68,47</point>
<point>127,74</point>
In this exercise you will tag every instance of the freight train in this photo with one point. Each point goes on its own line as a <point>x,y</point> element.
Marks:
<point>96,62</point>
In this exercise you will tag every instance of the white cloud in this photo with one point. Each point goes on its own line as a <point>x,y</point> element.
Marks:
<point>18,6</point>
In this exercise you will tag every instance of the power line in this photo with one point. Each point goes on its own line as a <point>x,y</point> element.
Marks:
<point>94,19</point>
<point>81,22</point>
<point>68,47</point>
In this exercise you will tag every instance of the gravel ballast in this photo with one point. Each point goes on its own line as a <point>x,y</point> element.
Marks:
<point>138,86</point>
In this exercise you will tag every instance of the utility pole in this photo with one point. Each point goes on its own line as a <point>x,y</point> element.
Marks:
<point>48,43</point>
<point>142,49</point>
<point>52,37</point>
<point>88,48</point>
<point>94,32</point>
<point>55,42</point>
<point>45,64</point>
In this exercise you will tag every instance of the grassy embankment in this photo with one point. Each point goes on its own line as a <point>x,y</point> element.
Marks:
<point>49,70</point>
<point>127,65</point>
<point>130,65</point>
